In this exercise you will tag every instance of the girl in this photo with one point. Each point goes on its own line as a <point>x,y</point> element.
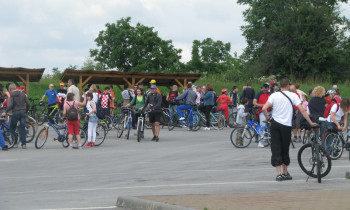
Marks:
<point>208,98</point>
<point>73,125</point>
<point>224,100</point>
<point>93,120</point>
<point>139,102</point>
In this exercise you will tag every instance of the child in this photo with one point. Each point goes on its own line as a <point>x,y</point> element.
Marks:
<point>224,100</point>
<point>241,119</point>
<point>93,120</point>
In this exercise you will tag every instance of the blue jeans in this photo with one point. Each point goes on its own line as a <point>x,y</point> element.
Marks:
<point>19,116</point>
<point>2,140</point>
<point>172,109</point>
<point>182,107</point>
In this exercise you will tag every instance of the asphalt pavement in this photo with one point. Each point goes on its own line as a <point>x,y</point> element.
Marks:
<point>181,163</point>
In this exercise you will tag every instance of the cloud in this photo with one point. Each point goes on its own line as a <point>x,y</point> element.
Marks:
<point>57,33</point>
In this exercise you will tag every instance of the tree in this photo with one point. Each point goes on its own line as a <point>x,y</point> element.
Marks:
<point>89,64</point>
<point>210,56</point>
<point>301,38</point>
<point>134,48</point>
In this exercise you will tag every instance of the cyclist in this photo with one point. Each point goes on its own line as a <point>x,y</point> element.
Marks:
<point>93,120</point>
<point>189,97</point>
<point>259,101</point>
<point>139,101</point>
<point>52,96</point>
<point>316,107</point>
<point>153,82</point>
<point>281,122</point>
<point>224,101</point>
<point>154,102</point>
<point>171,99</point>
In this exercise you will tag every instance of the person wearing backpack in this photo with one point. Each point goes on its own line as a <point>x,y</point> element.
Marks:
<point>93,120</point>
<point>139,101</point>
<point>127,95</point>
<point>71,112</point>
<point>316,107</point>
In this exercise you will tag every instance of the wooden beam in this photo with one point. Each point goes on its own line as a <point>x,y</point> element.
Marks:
<point>27,84</point>
<point>133,82</point>
<point>86,81</point>
<point>80,86</point>
<point>21,78</point>
<point>185,82</point>
<point>178,82</point>
<point>127,82</point>
<point>120,88</point>
<point>141,80</point>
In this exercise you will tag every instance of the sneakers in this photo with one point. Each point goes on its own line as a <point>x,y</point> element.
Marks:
<point>206,129</point>
<point>287,176</point>
<point>183,126</point>
<point>157,138</point>
<point>88,144</point>
<point>279,178</point>
<point>296,140</point>
<point>5,148</point>
<point>93,144</point>
<point>70,147</point>
<point>80,147</point>
<point>182,118</point>
<point>24,146</point>
<point>154,138</point>
<point>261,145</point>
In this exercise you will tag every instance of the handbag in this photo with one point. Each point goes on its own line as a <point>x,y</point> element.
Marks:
<point>294,111</point>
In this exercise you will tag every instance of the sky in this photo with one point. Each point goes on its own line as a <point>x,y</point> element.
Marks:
<point>59,33</point>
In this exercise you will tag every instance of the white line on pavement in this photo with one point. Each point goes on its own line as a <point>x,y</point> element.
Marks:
<point>159,186</point>
<point>86,208</point>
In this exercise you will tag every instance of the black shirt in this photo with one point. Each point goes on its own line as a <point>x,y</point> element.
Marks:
<point>317,106</point>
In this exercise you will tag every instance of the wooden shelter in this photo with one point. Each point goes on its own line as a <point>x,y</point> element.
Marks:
<point>21,75</point>
<point>83,77</point>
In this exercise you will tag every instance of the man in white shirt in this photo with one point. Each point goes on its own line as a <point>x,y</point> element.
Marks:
<point>281,125</point>
<point>73,89</point>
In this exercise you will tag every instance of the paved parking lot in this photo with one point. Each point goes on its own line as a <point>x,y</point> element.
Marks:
<point>183,162</point>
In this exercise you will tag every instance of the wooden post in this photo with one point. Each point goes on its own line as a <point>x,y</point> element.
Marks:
<point>27,85</point>
<point>178,82</point>
<point>133,82</point>
<point>80,86</point>
<point>86,81</point>
<point>127,82</point>
<point>140,80</point>
<point>185,83</point>
<point>120,88</point>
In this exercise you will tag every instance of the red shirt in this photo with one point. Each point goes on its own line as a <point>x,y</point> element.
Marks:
<point>224,99</point>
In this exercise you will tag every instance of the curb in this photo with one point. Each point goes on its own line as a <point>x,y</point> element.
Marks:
<point>129,202</point>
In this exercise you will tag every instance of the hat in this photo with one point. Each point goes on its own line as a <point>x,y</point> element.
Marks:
<point>272,82</point>
<point>19,88</point>
<point>62,83</point>
<point>223,90</point>
<point>140,83</point>
<point>153,81</point>
<point>335,86</point>
<point>153,86</point>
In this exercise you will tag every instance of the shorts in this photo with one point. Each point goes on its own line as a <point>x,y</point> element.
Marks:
<point>73,127</point>
<point>154,117</point>
<point>297,122</point>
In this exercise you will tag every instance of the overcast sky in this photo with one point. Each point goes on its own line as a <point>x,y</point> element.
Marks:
<point>59,33</point>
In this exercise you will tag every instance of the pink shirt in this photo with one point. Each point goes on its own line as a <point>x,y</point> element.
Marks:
<point>71,104</point>
<point>305,104</point>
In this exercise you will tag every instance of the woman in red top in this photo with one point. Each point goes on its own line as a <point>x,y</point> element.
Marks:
<point>224,100</point>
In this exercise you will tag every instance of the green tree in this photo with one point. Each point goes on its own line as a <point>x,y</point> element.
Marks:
<point>134,48</point>
<point>56,73</point>
<point>301,38</point>
<point>210,56</point>
<point>89,64</point>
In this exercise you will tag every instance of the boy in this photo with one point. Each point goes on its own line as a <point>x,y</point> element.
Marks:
<point>241,119</point>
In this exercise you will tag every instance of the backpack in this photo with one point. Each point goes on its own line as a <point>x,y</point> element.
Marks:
<point>100,112</point>
<point>72,112</point>
<point>328,109</point>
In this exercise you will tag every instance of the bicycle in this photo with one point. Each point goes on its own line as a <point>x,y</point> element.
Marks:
<point>125,124</point>
<point>335,142</point>
<point>191,120</point>
<point>217,120</point>
<point>35,113</point>
<point>140,127</point>
<point>232,117</point>
<point>313,155</point>
<point>101,133</point>
<point>56,115</point>
<point>9,136</point>
<point>241,137</point>
<point>29,131</point>
<point>62,136</point>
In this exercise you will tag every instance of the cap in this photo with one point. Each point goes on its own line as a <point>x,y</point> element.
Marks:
<point>19,88</point>
<point>335,86</point>
<point>153,81</point>
<point>153,86</point>
<point>62,83</point>
<point>23,87</point>
<point>272,82</point>
<point>223,90</point>
<point>140,83</point>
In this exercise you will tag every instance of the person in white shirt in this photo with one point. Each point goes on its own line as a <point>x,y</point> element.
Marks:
<point>281,125</point>
<point>73,89</point>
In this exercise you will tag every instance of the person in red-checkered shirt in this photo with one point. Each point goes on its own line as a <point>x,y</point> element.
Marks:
<point>105,100</point>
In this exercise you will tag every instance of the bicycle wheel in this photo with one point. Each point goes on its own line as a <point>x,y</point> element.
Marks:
<point>232,119</point>
<point>334,146</point>
<point>9,138</point>
<point>173,122</point>
<point>116,119</point>
<point>217,121</point>
<point>195,125</point>
<point>120,128</point>
<point>307,161</point>
<point>267,136</point>
<point>30,132</point>
<point>241,137</point>
<point>75,143</point>
<point>100,134</point>
<point>109,122</point>
<point>41,138</point>
<point>139,130</point>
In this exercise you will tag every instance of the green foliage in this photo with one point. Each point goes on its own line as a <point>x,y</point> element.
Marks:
<point>134,48</point>
<point>210,57</point>
<point>89,64</point>
<point>304,38</point>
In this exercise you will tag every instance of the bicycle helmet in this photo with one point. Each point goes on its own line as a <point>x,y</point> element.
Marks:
<point>223,90</point>
<point>330,92</point>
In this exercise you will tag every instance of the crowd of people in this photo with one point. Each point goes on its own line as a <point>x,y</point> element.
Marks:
<point>288,108</point>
